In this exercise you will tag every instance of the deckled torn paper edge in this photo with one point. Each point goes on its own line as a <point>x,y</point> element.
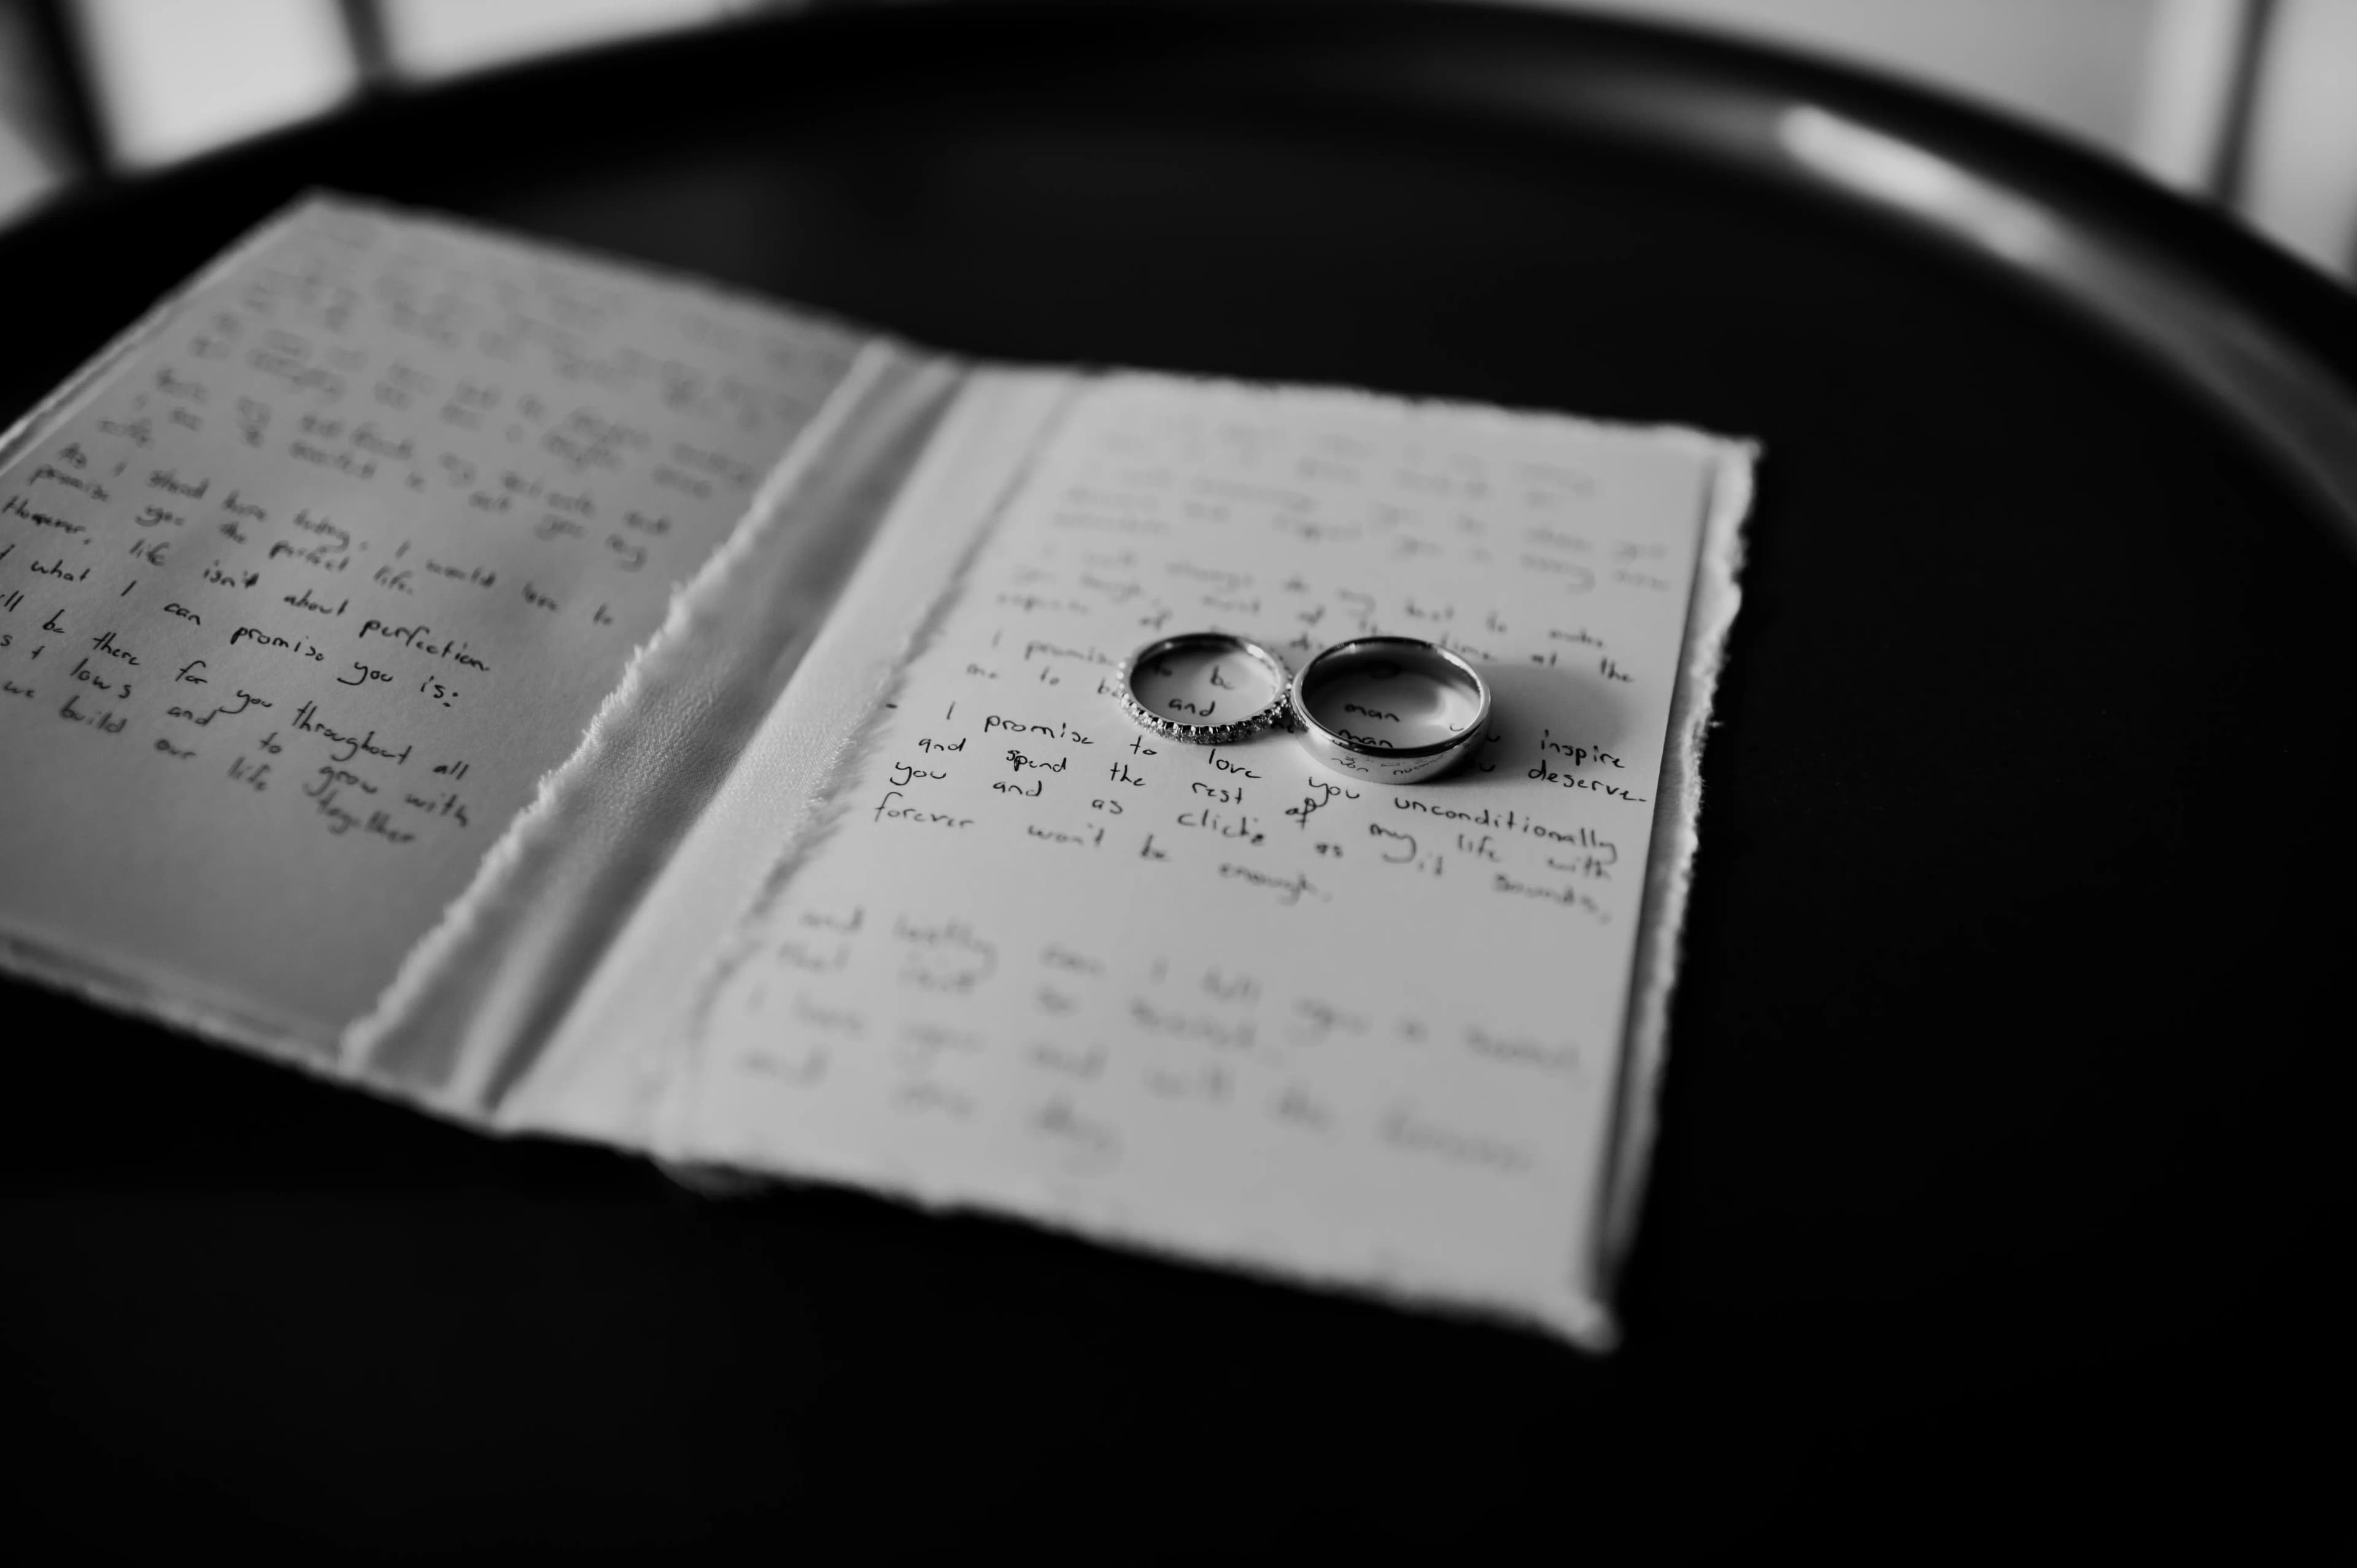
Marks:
<point>603,1074</point>
<point>819,797</point>
<point>455,959</point>
<point>824,799</point>
<point>1581,1314</point>
<point>436,961</point>
<point>1669,872</point>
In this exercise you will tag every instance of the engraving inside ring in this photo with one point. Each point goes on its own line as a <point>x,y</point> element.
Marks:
<point>1384,701</point>
<point>1204,684</point>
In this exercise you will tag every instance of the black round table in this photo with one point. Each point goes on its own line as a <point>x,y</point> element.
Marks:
<point>2004,1165</point>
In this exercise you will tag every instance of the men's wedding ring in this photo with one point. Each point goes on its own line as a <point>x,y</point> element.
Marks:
<point>1207,687</point>
<point>1393,710</point>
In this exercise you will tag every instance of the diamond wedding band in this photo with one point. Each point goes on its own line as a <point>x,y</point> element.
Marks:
<point>1212,652</point>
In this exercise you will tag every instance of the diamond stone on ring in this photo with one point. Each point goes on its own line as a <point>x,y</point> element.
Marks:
<point>1196,675</point>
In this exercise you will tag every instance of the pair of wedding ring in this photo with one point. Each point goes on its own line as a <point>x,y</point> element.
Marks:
<point>1393,710</point>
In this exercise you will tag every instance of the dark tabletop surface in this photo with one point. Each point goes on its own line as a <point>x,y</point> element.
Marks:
<point>2004,1161</point>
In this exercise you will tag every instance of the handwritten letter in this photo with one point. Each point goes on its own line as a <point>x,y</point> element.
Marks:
<point>301,598</point>
<point>1227,1000</point>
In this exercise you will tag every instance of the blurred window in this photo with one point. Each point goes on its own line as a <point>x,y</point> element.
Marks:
<point>38,123</point>
<point>434,37</point>
<point>2299,180</point>
<point>176,77</point>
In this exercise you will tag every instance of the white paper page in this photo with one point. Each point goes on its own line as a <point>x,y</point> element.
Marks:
<point>300,598</point>
<point>1229,1002</point>
<point>603,1074</point>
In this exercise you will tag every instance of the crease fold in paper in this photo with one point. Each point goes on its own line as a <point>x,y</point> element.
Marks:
<point>834,867</point>
<point>623,963</point>
<point>477,998</point>
<point>627,1044</point>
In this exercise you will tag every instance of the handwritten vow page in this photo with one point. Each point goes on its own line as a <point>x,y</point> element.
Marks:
<point>1227,1001</point>
<point>583,702</point>
<point>302,593</point>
